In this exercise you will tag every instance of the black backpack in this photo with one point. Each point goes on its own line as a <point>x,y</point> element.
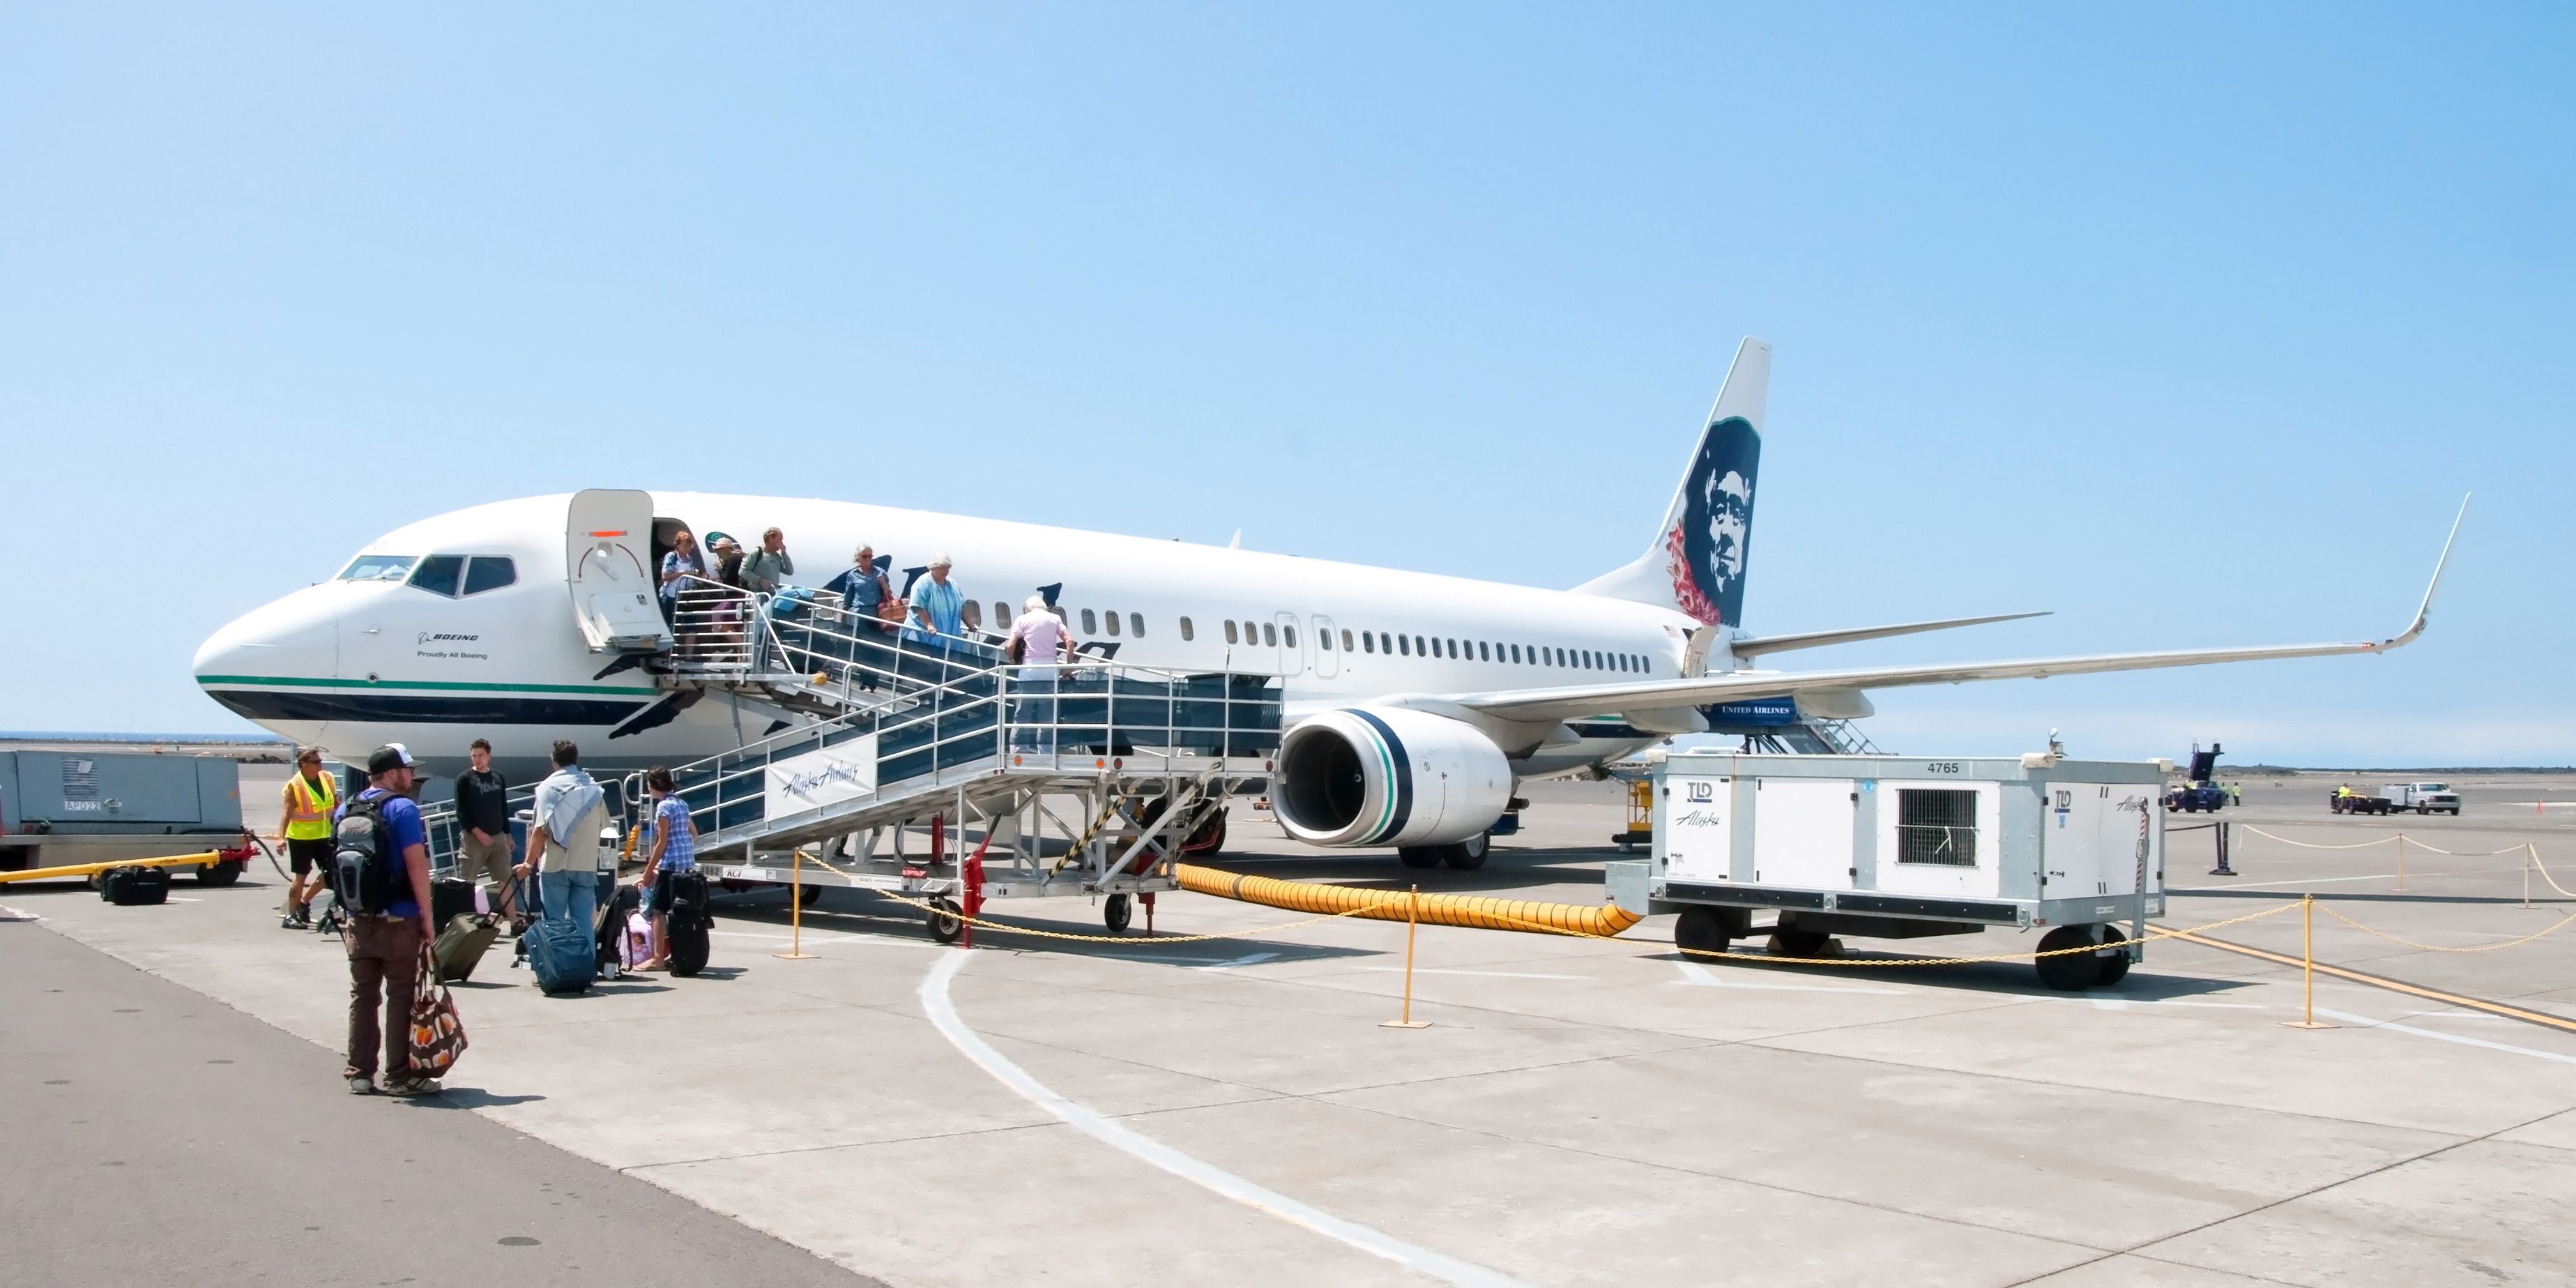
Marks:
<point>362,877</point>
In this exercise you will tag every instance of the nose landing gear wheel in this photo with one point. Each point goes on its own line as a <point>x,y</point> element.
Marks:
<point>946,920</point>
<point>1115,911</point>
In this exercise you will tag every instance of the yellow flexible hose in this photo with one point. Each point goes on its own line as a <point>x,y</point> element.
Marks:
<point>1472,911</point>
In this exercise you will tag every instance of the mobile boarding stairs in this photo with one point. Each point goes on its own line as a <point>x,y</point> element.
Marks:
<point>1072,778</point>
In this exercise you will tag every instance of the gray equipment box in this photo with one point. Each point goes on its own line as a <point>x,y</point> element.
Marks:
<point>1898,847</point>
<point>73,807</point>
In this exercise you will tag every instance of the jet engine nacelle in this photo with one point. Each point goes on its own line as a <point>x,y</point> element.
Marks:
<point>1385,776</point>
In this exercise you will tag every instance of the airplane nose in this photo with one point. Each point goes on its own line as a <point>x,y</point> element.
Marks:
<point>292,643</point>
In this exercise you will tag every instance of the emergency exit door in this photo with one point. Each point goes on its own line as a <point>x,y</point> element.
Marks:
<point>1328,656</point>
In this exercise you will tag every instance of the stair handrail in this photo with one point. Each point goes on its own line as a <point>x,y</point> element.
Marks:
<point>962,692</point>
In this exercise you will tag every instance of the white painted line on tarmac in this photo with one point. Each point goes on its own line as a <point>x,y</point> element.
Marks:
<point>1248,959</point>
<point>1108,1131</point>
<point>2462,1039</point>
<point>1489,974</point>
<point>1696,974</point>
<point>8,913</point>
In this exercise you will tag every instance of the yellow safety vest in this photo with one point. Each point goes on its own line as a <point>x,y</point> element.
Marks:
<point>306,818</point>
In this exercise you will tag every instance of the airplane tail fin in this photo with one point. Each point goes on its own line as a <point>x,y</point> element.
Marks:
<point>1696,561</point>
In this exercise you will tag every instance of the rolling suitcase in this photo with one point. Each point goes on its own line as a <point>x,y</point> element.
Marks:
<point>691,920</point>
<point>461,945</point>
<point>449,897</point>
<point>609,930</point>
<point>129,887</point>
<point>564,956</point>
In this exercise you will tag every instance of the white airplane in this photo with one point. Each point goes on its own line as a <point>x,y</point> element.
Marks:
<point>1413,702</point>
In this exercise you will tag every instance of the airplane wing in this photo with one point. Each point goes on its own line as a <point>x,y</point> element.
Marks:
<point>1575,701</point>
<point>1757,645</point>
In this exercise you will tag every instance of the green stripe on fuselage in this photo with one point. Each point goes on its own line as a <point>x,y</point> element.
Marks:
<point>448,686</point>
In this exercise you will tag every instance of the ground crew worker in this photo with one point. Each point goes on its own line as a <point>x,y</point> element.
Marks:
<point>310,797</point>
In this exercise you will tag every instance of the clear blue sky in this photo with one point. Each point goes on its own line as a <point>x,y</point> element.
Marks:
<point>2191,323</point>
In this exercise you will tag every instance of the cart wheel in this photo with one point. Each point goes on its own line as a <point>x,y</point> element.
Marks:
<point>220,873</point>
<point>1418,856</point>
<point>1792,942</point>
<point>946,922</point>
<point>1209,839</point>
<point>807,896</point>
<point>1700,930</point>
<point>2113,960</point>
<point>2072,972</point>
<point>1116,911</point>
<point>1468,855</point>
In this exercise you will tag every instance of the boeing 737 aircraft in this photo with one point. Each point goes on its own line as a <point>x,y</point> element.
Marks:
<point>1429,695</point>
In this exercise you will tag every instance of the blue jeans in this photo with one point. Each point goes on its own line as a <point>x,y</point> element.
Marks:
<point>572,896</point>
<point>1033,716</point>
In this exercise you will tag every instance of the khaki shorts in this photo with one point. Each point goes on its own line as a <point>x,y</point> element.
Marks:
<point>477,859</point>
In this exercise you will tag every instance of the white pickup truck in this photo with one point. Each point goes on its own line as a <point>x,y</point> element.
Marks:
<point>2423,798</point>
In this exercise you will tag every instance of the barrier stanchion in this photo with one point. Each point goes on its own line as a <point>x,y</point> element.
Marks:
<point>1412,922</point>
<point>796,915</point>
<point>2308,963</point>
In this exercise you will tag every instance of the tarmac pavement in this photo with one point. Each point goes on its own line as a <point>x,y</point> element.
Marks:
<point>156,1136</point>
<point>1579,1111</point>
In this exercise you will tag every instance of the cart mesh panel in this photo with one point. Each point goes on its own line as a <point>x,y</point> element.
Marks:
<point>1936,825</point>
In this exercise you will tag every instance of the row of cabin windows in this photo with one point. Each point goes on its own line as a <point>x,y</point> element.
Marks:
<point>1092,621</point>
<point>1493,651</point>
<point>1275,635</point>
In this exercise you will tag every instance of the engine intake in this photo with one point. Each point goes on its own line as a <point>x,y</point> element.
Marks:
<point>1383,776</point>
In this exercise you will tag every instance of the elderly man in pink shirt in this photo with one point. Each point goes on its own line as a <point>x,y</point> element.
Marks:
<point>1037,641</point>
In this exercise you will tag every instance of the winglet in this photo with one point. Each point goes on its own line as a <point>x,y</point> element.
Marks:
<point>2424,611</point>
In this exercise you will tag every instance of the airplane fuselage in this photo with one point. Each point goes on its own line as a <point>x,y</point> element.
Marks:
<point>351,664</point>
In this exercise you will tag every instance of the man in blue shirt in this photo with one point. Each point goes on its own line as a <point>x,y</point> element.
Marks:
<point>384,947</point>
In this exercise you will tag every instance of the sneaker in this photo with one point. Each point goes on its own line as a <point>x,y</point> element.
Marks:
<point>361,1086</point>
<point>414,1087</point>
<point>288,922</point>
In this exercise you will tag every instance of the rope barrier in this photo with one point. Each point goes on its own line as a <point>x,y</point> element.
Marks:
<point>2359,845</point>
<point>2436,948</point>
<point>2152,933</point>
<point>2534,852</point>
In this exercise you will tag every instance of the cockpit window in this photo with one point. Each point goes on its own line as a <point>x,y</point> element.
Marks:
<point>489,572</point>
<point>439,574</point>
<point>378,568</point>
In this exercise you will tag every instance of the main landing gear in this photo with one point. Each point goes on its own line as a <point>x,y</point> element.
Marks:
<point>1466,856</point>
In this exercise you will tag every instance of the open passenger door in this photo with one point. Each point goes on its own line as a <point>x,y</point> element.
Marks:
<point>608,558</point>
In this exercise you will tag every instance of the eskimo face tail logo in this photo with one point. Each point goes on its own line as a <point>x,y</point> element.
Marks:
<point>1708,544</point>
